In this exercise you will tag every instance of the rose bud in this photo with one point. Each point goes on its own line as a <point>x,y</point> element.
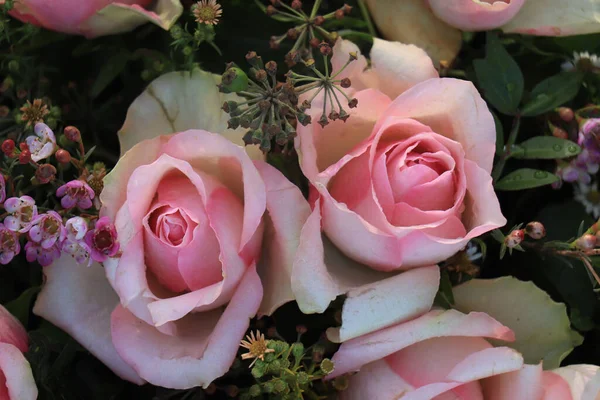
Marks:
<point>535,230</point>
<point>514,238</point>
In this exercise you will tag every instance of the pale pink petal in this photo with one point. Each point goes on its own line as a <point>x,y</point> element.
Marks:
<point>229,163</point>
<point>476,15</point>
<point>355,353</point>
<point>318,147</point>
<point>399,66</point>
<point>355,70</point>
<point>287,212</point>
<point>411,21</point>
<point>555,18</point>
<point>582,380</point>
<point>452,108</point>
<point>79,300</point>
<point>15,369</point>
<point>387,302</point>
<point>11,331</point>
<point>525,383</point>
<point>118,17</point>
<point>376,381</point>
<point>175,361</point>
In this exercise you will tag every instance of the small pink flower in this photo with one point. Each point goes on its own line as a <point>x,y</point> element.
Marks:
<point>76,194</point>
<point>76,228</point>
<point>47,229</point>
<point>9,245</point>
<point>79,250</point>
<point>43,144</point>
<point>34,251</point>
<point>22,212</point>
<point>103,240</point>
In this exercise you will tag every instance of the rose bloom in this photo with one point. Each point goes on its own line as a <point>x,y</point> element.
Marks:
<point>435,25</point>
<point>16,379</point>
<point>404,184</point>
<point>191,210</point>
<point>96,17</point>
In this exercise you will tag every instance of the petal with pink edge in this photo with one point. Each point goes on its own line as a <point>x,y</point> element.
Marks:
<point>17,372</point>
<point>118,18</point>
<point>555,18</point>
<point>525,383</point>
<point>390,301</point>
<point>79,301</point>
<point>287,212</point>
<point>476,15</point>
<point>376,381</point>
<point>355,353</point>
<point>583,380</point>
<point>179,101</point>
<point>179,362</point>
<point>411,21</point>
<point>452,108</point>
<point>11,331</point>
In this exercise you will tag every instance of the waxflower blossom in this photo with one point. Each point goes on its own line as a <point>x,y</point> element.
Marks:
<point>79,250</point>
<point>22,211</point>
<point>76,193</point>
<point>9,245</point>
<point>34,251</point>
<point>47,229</point>
<point>76,228</point>
<point>32,113</point>
<point>42,144</point>
<point>103,240</point>
<point>587,163</point>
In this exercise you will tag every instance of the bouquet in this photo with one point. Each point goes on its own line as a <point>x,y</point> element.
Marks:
<point>277,199</point>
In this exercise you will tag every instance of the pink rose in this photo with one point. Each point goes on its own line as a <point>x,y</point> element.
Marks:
<point>16,379</point>
<point>191,210</point>
<point>476,15</point>
<point>443,354</point>
<point>96,17</point>
<point>405,183</point>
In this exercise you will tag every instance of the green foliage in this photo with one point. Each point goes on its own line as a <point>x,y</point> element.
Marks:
<point>552,92</point>
<point>526,178</point>
<point>546,147</point>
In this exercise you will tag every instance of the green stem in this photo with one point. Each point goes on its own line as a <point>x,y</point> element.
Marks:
<point>365,13</point>
<point>512,138</point>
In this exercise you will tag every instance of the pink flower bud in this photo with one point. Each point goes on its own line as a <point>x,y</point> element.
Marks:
<point>566,114</point>
<point>514,238</point>
<point>535,230</point>
<point>586,242</point>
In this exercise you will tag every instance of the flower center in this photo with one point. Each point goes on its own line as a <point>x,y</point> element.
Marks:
<point>170,225</point>
<point>103,239</point>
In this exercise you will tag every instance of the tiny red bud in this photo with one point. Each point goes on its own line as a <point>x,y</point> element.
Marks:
<point>314,42</point>
<point>353,103</point>
<point>24,157</point>
<point>292,33</point>
<point>23,146</point>
<point>271,10</point>
<point>296,4</point>
<point>8,147</point>
<point>345,83</point>
<point>319,20</point>
<point>325,48</point>
<point>514,238</point>
<point>535,230</point>
<point>560,133</point>
<point>301,329</point>
<point>566,114</point>
<point>339,14</point>
<point>586,242</point>
<point>63,156</point>
<point>72,133</point>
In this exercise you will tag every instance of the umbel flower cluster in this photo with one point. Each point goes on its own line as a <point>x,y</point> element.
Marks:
<point>66,221</point>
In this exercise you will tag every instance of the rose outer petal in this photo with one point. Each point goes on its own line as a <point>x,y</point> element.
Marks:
<point>15,369</point>
<point>11,331</point>
<point>476,15</point>
<point>166,361</point>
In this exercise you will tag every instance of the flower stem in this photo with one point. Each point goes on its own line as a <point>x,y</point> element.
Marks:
<point>365,13</point>
<point>508,148</point>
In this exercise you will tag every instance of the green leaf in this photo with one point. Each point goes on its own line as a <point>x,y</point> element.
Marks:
<point>499,135</point>
<point>547,148</point>
<point>552,92</point>
<point>499,77</point>
<point>109,72</point>
<point>21,306</point>
<point>526,178</point>
<point>542,327</point>
<point>444,297</point>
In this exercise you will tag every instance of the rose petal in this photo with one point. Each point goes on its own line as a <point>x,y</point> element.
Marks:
<point>555,18</point>
<point>376,381</point>
<point>282,236</point>
<point>355,353</point>
<point>525,383</point>
<point>16,371</point>
<point>411,21</point>
<point>318,147</point>
<point>176,102</point>
<point>118,18</point>
<point>173,361</point>
<point>79,300</point>
<point>390,301</point>
<point>583,380</point>
<point>11,331</point>
<point>476,15</point>
<point>452,108</point>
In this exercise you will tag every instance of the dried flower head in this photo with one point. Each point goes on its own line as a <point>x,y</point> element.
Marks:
<point>32,113</point>
<point>256,346</point>
<point>207,12</point>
